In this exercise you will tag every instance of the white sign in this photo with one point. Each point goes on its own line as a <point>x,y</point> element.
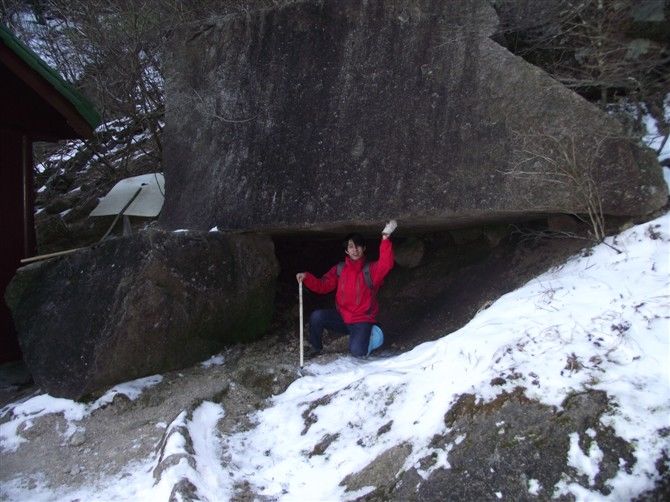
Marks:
<point>148,203</point>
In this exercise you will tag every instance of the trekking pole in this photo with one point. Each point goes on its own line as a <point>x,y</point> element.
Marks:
<point>301,327</point>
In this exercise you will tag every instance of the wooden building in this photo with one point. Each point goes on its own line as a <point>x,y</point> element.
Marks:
<point>36,104</point>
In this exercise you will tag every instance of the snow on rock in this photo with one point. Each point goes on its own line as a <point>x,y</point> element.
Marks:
<point>24,413</point>
<point>216,360</point>
<point>600,322</point>
<point>190,454</point>
<point>583,462</point>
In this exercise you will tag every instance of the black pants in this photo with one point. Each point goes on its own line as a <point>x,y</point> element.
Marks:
<point>330,319</point>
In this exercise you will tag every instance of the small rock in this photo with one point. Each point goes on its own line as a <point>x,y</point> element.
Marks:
<point>78,438</point>
<point>498,381</point>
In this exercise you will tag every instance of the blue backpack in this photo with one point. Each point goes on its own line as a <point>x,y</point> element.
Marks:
<point>376,338</point>
<point>376,335</point>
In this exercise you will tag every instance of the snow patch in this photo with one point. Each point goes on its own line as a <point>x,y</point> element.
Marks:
<point>217,360</point>
<point>587,464</point>
<point>534,486</point>
<point>24,413</point>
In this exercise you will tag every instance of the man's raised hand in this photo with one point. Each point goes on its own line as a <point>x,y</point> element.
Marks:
<point>390,227</point>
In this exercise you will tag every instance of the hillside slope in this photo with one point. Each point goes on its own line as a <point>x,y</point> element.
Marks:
<point>560,388</point>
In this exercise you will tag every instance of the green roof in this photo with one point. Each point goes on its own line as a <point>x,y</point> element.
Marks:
<point>67,90</point>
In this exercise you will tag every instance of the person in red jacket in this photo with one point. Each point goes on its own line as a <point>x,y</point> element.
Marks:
<point>356,298</point>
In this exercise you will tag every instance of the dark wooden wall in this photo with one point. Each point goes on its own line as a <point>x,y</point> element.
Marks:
<point>14,243</point>
<point>27,114</point>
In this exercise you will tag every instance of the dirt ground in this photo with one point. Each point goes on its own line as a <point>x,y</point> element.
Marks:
<point>124,431</point>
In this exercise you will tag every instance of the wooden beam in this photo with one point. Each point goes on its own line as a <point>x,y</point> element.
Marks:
<point>27,196</point>
<point>42,87</point>
<point>50,255</point>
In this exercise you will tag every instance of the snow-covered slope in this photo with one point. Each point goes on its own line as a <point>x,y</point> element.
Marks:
<point>601,321</point>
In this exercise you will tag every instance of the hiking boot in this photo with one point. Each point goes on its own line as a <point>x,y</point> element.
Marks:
<point>311,353</point>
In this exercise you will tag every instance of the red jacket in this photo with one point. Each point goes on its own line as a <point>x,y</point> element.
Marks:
<point>355,301</point>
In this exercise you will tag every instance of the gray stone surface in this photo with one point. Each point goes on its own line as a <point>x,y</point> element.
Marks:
<point>133,307</point>
<point>333,114</point>
<point>381,471</point>
<point>410,253</point>
<point>506,443</point>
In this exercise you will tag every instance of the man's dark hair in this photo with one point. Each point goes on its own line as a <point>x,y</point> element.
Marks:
<point>356,237</point>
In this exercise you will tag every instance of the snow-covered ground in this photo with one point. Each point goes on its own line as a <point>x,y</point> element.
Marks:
<point>598,322</point>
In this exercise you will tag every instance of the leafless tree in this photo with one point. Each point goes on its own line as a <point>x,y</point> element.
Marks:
<point>592,46</point>
<point>567,163</point>
<point>112,49</point>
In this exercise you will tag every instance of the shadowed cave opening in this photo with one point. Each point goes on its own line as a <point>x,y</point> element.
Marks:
<point>442,276</point>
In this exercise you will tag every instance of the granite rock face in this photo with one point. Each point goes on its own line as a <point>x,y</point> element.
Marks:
<point>512,446</point>
<point>333,114</point>
<point>137,306</point>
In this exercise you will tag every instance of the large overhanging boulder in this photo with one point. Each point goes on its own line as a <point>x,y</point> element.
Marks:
<point>137,306</point>
<point>324,114</point>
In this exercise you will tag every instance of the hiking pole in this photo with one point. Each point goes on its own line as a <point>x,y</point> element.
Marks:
<point>301,327</point>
